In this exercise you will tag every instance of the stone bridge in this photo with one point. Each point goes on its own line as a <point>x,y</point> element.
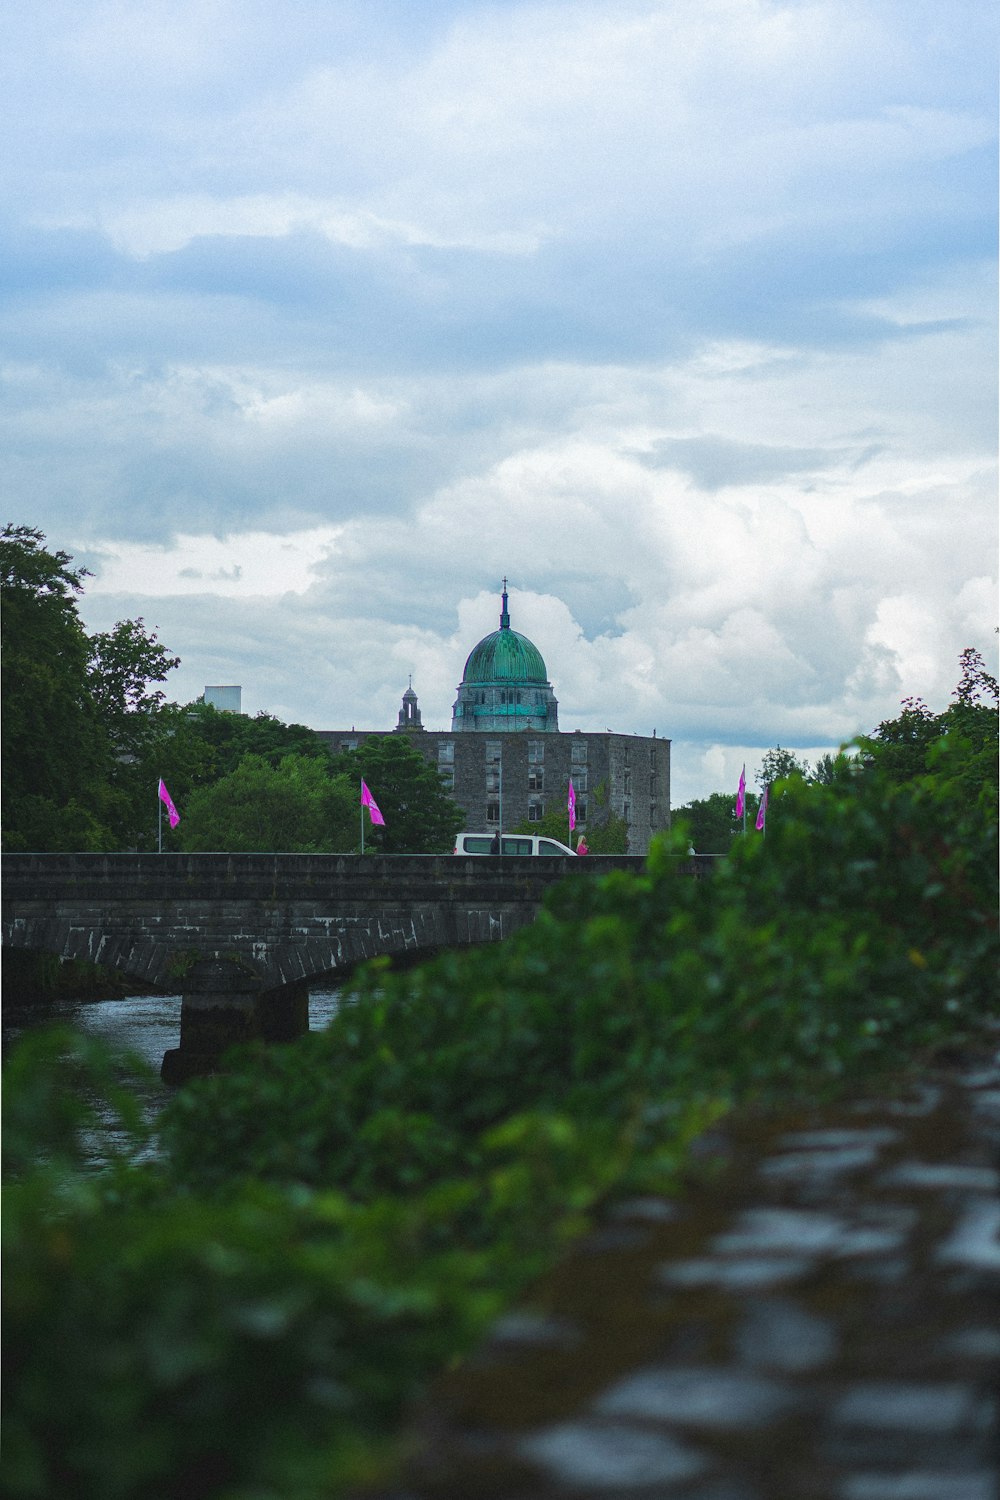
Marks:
<point>242,936</point>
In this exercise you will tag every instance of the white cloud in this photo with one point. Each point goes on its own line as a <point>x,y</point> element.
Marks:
<point>254,565</point>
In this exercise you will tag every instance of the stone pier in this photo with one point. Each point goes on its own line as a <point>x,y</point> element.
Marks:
<point>225,1003</point>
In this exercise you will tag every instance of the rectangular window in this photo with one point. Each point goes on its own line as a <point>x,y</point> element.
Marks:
<point>536,752</point>
<point>447,775</point>
<point>581,810</point>
<point>348,744</point>
<point>493,748</point>
<point>579,779</point>
<point>492,812</point>
<point>446,752</point>
<point>536,779</point>
<point>536,809</point>
<point>578,752</point>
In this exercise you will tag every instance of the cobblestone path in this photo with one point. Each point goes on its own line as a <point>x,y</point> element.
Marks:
<point>815,1317</point>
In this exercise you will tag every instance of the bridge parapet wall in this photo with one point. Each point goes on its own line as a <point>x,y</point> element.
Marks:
<point>290,877</point>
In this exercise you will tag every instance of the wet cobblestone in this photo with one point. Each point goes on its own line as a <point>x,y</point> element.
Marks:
<point>814,1316</point>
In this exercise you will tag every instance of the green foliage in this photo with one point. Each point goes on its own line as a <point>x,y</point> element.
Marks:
<point>831,769</point>
<point>123,662</point>
<point>777,764</point>
<point>420,815</point>
<point>81,725</point>
<point>608,835</point>
<point>53,743</point>
<point>295,806</point>
<point>711,822</point>
<point>240,1349</point>
<point>230,737</point>
<point>905,748</point>
<point>332,1220</point>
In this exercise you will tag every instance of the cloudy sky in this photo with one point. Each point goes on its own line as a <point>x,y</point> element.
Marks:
<point>321,316</point>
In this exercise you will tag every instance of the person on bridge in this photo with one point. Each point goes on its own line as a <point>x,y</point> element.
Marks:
<point>581,847</point>
<point>495,843</point>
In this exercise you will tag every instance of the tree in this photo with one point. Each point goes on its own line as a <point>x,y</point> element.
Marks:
<point>84,732</point>
<point>232,736</point>
<point>831,770</point>
<point>899,746</point>
<point>912,745</point>
<point>123,662</point>
<point>609,836</point>
<point>779,764</point>
<point>295,807</point>
<point>420,815</point>
<point>55,750</point>
<point>712,822</point>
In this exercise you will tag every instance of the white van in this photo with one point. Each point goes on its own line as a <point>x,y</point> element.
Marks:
<point>510,843</point>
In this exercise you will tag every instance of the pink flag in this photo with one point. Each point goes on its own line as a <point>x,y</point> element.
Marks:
<point>571,804</point>
<point>167,801</point>
<point>367,800</point>
<point>762,811</point>
<point>741,795</point>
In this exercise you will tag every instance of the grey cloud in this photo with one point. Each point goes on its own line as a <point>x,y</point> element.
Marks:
<point>715,462</point>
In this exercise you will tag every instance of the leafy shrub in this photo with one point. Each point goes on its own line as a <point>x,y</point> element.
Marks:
<point>164,1346</point>
<point>334,1219</point>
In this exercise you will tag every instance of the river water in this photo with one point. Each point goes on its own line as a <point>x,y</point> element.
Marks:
<point>146,1025</point>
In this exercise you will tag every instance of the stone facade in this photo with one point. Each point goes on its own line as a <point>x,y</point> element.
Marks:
<point>516,778</point>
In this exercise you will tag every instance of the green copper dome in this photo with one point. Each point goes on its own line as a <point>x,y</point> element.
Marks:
<point>504,686</point>
<point>505,656</point>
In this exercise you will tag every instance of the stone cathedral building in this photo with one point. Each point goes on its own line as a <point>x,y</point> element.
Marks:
<point>506,761</point>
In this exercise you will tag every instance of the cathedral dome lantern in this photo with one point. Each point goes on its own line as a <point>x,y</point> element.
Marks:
<point>505,687</point>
